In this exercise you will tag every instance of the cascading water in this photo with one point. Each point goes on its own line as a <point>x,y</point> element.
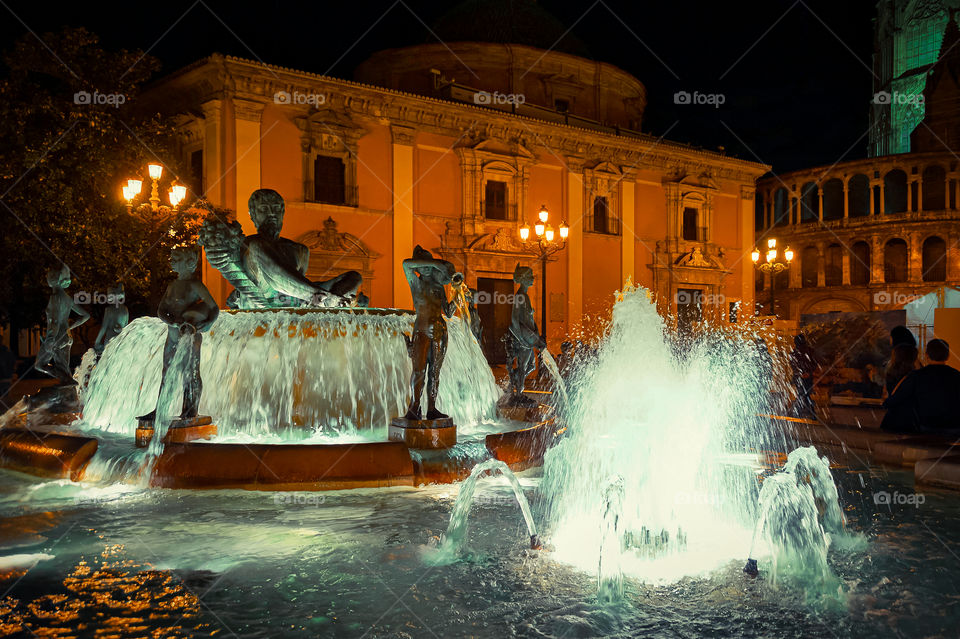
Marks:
<point>328,371</point>
<point>683,434</point>
<point>456,535</point>
<point>551,365</point>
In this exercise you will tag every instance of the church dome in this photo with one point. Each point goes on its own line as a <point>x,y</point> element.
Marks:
<point>507,22</point>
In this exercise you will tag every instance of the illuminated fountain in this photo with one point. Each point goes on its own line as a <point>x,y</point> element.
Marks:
<point>656,476</point>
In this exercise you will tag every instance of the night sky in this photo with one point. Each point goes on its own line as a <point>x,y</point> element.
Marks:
<point>795,75</point>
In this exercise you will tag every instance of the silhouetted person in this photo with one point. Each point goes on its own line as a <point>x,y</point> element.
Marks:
<point>903,357</point>
<point>926,400</point>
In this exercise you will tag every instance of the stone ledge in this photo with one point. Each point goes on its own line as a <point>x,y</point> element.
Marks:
<point>46,454</point>
<point>944,472</point>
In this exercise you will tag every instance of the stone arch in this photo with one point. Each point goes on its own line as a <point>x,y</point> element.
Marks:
<point>896,261</point>
<point>809,266</point>
<point>833,304</point>
<point>833,265</point>
<point>858,196</point>
<point>934,259</point>
<point>833,199</point>
<point>895,191</point>
<point>934,188</point>
<point>860,263</point>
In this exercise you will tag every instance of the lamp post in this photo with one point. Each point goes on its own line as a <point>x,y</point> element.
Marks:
<point>773,266</point>
<point>545,243</point>
<point>134,186</point>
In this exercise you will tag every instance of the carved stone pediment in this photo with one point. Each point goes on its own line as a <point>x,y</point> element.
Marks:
<point>512,149</point>
<point>697,259</point>
<point>333,252</point>
<point>329,129</point>
<point>503,240</point>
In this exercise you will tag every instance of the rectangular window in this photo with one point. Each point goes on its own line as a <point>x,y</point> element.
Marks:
<point>329,180</point>
<point>691,217</point>
<point>602,219</point>
<point>495,200</point>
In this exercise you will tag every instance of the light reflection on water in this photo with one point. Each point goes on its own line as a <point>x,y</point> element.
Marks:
<point>240,563</point>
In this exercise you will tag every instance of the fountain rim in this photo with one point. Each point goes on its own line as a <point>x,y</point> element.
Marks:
<point>324,310</point>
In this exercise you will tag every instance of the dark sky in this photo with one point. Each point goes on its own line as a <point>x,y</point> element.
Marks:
<point>795,74</point>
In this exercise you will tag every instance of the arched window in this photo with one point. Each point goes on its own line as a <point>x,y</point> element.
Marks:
<point>858,196</point>
<point>895,261</point>
<point>809,203</point>
<point>934,259</point>
<point>833,266</point>
<point>781,207</point>
<point>833,199</point>
<point>895,192</point>
<point>934,188</point>
<point>809,266</point>
<point>860,264</point>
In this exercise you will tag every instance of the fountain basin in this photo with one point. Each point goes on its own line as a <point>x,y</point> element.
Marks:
<point>46,454</point>
<point>63,453</point>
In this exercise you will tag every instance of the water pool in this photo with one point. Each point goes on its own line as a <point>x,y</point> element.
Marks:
<point>133,563</point>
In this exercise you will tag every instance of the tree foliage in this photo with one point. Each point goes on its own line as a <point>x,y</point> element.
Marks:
<point>63,159</point>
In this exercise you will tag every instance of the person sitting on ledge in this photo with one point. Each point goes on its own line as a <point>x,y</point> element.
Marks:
<point>903,357</point>
<point>926,399</point>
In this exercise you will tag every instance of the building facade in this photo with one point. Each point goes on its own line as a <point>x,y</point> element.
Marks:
<point>411,155</point>
<point>867,235</point>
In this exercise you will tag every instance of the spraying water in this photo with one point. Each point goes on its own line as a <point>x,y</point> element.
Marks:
<point>456,534</point>
<point>675,429</point>
<point>335,372</point>
<point>610,567</point>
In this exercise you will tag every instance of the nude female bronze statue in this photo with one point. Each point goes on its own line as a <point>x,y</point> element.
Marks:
<point>115,318</point>
<point>427,277</point>
<point>188,310</point>
<point>54,355</point>
<point>522,338</point>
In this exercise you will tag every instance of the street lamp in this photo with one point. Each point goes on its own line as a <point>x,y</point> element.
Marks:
<point>134,187</point>
<point>773,266</point>
<point>544,245</point>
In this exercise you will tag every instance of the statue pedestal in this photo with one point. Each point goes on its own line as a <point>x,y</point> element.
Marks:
<point>180,431</point>
<point>423,433</point>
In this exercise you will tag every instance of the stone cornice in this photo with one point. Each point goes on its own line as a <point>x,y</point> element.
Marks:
<point>255,81</point>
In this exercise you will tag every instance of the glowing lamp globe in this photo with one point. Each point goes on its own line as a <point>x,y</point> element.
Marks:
<point>155,170</point>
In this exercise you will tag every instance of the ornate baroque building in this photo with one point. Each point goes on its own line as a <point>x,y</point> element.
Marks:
<point>425,149</point>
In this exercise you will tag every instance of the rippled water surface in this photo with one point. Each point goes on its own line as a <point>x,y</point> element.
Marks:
<point>78,558</point>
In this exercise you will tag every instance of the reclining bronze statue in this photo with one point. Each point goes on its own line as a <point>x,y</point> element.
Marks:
<point>269,271</point>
